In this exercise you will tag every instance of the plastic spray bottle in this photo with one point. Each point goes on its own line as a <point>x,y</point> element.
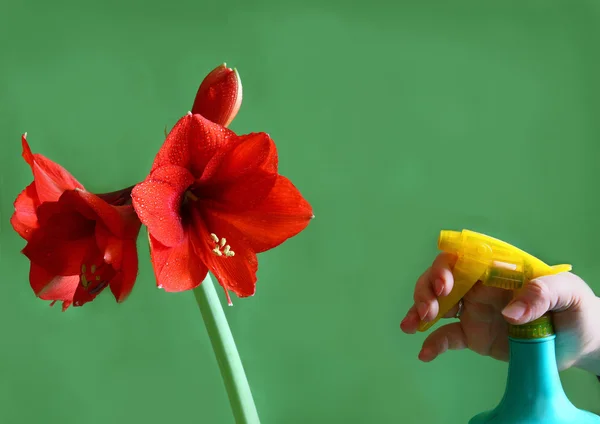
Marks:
<point>534,393</point>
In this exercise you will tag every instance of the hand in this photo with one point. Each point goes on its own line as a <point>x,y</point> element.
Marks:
<point>483,324</point>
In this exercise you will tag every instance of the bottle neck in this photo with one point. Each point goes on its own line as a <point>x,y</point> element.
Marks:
<point>532,372</point>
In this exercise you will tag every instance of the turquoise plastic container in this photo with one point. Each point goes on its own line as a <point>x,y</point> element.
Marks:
<point>534,392</point>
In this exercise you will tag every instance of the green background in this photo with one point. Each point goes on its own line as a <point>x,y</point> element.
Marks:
<point>394,119</point>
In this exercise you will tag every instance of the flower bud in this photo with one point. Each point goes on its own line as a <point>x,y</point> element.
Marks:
<point>220,96</point>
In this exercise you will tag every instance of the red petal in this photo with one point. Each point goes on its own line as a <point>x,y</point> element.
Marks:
<point>157,202</point>
<point>110,246</point>
<point>243,176</point>
<point>48,286</point>
<point>247,154</point>
<point>220,96</point>
<point>24,219</point>
<point>130,221</point>
<point>83,295</point>
<point>121,287</point>
<point>283,214</point>
<point>236,273</point>
<point>94,209</point>
<point>61,242</point>
<point>51,179</point>
<point>176,268</point>
<point>246,193</point>
<point>191,144</point>
<point>60,257</point>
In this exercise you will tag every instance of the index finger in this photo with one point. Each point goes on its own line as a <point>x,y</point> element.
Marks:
<point>436,281</point>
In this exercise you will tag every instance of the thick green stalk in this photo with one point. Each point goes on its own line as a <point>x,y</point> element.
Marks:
<point>232,370</point>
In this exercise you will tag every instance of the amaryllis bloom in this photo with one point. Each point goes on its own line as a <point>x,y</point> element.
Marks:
<point>212,201</point>
<point>220,95</point>
<point>78,242</point>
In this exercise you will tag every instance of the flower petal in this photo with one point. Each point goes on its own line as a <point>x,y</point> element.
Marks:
<point>83,295</point>
<point>157,202</point>
<point>242,176</point>
<point>236,273</point>
<point>245,155</point>
<point>24,219</point>
<point>122,285</point>
<point>94,209</point>
<point>283,214</point>
<point>191,144</point>
<point>50,179</point>
<point>110,246</point>
<point>62,241</point>
<point>243,194</point>
<point>48,286</point>
<point>176,268</point>
<point>219,96</point>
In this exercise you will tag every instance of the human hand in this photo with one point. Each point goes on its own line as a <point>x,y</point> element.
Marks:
<point>483,323</point>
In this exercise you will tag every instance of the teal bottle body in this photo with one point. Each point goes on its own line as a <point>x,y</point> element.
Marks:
<point>534,392</point>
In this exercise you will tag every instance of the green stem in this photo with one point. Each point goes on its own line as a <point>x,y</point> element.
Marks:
<point>232,370</point>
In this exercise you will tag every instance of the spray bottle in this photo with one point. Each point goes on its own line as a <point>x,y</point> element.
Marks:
<point>534,393</point>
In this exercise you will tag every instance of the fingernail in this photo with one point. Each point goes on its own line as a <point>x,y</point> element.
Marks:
<point>425,355</point>
<point>422,309</point>
<point>439,287</point>
<point>515,310</point>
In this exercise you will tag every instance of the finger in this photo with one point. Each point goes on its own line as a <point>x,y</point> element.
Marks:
<point>411,321</point>
<point>425,299</point>
<point>550,293</point>
<point>436,281</point>
<point>450,336</point>
<point>441,274</point>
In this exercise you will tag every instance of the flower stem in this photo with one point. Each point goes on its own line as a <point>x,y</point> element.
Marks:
<point>232,370</point>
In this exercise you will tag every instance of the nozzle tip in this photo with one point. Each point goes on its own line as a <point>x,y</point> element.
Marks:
<point>449,241</point>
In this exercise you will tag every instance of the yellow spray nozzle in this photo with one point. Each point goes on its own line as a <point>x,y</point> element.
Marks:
<point>449,241</point>
<point>489,260</point>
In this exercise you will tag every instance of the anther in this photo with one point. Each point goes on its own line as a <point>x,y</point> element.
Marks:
<point>84,281</point>
<point>93,269</point>
<point>190,195</point>
<point>83,269</point>
<point>221,244</point>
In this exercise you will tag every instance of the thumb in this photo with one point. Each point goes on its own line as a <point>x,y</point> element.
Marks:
<point>556,293</point>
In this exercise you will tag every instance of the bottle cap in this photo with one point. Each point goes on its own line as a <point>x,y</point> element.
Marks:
<point>536,329</point>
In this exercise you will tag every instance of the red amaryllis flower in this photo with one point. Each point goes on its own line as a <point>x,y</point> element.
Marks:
<point>220,95</point>
<point>78,242</point>
<point>212,201</point>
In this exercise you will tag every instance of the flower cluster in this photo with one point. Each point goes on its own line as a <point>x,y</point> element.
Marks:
<point>212,200</point>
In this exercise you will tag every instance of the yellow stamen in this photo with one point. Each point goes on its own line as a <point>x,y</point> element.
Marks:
<point>84,281</point>
<point>191,195</point>
<point>221,244</point>
<point>83,269</point>
<point>97,278</point>
<point>93,268</point>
